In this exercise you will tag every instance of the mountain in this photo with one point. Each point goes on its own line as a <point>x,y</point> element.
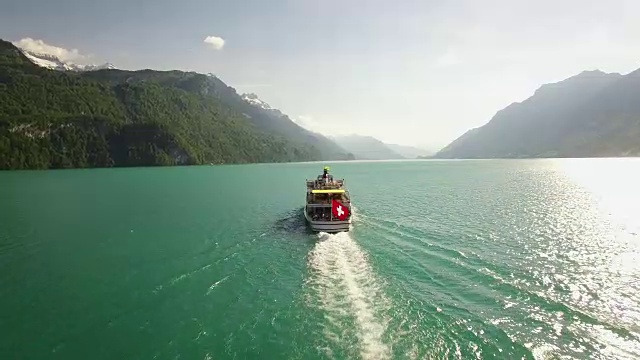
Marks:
<point>366,147</point>
<point>257,112</point>
<point>273,120</point>
<point>54,63</point>
<point>409,152</point>
<point>110,117</point>
<point>591,114</point>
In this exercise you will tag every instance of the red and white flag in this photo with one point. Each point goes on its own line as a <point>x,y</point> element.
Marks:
<point>340,211</point>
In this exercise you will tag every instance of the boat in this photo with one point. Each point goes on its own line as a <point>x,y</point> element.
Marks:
<point>328,204</point>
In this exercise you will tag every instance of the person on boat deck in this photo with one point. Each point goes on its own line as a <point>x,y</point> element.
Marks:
<point>325,175</point>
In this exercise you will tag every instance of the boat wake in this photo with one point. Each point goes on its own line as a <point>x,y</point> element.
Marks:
<point>346,291</point>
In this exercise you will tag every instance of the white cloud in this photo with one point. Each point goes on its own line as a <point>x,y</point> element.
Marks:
<point>215,42</point>
<point>39,46</point>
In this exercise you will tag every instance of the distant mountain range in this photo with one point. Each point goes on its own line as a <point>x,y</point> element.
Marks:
<point>370,148</point>
<point>366,147</point>
<point>61,117</point>
<point>592,114</point>
<point>410,152</point>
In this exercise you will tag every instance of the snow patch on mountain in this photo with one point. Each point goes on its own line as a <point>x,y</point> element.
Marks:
<point>54,63</point>
<point>42,62</point>
<point>254,100</point>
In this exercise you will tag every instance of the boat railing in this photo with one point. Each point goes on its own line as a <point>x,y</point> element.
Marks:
<point>312,200</point>
<point>327,203</point>
<point>319,184</point>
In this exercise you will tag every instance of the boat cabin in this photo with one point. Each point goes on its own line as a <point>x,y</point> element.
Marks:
<point>320,195</point>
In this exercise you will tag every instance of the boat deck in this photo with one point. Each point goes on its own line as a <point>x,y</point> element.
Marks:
<point>320,194</point>
<point>317,211</point>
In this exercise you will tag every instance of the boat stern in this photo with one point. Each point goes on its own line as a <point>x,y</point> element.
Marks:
<point>331,226</point>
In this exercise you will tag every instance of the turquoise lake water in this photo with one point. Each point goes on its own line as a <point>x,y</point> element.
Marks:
<point>484,259</point>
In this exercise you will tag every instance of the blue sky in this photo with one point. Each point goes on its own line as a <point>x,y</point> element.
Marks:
<point>409,72</point>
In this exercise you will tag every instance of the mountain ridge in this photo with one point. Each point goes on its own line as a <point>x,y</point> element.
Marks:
<point>54,63</point>
<point>264,117</point>
<point>589,114</point>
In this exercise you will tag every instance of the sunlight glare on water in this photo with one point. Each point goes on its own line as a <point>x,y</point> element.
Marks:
<point>602,260</point>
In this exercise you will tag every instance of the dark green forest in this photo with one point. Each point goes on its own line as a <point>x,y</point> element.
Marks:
<point>105,118</point>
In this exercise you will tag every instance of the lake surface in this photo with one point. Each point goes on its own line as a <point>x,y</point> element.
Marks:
<point>479,259</point>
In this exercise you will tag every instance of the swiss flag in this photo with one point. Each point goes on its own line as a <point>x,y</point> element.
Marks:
<point>340,211</point>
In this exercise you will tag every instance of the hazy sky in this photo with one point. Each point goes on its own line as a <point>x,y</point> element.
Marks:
<point>411,72</point>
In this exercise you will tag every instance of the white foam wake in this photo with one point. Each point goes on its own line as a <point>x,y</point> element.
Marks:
<point>346,288</point>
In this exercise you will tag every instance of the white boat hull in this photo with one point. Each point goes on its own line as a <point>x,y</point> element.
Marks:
<point>327,226</point>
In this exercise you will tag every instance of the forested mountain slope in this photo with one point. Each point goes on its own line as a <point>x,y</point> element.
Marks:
<point>54,119</point>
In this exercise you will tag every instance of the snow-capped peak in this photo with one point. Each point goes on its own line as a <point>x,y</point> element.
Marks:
<point>254,100</point>
<point>54,63</point>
